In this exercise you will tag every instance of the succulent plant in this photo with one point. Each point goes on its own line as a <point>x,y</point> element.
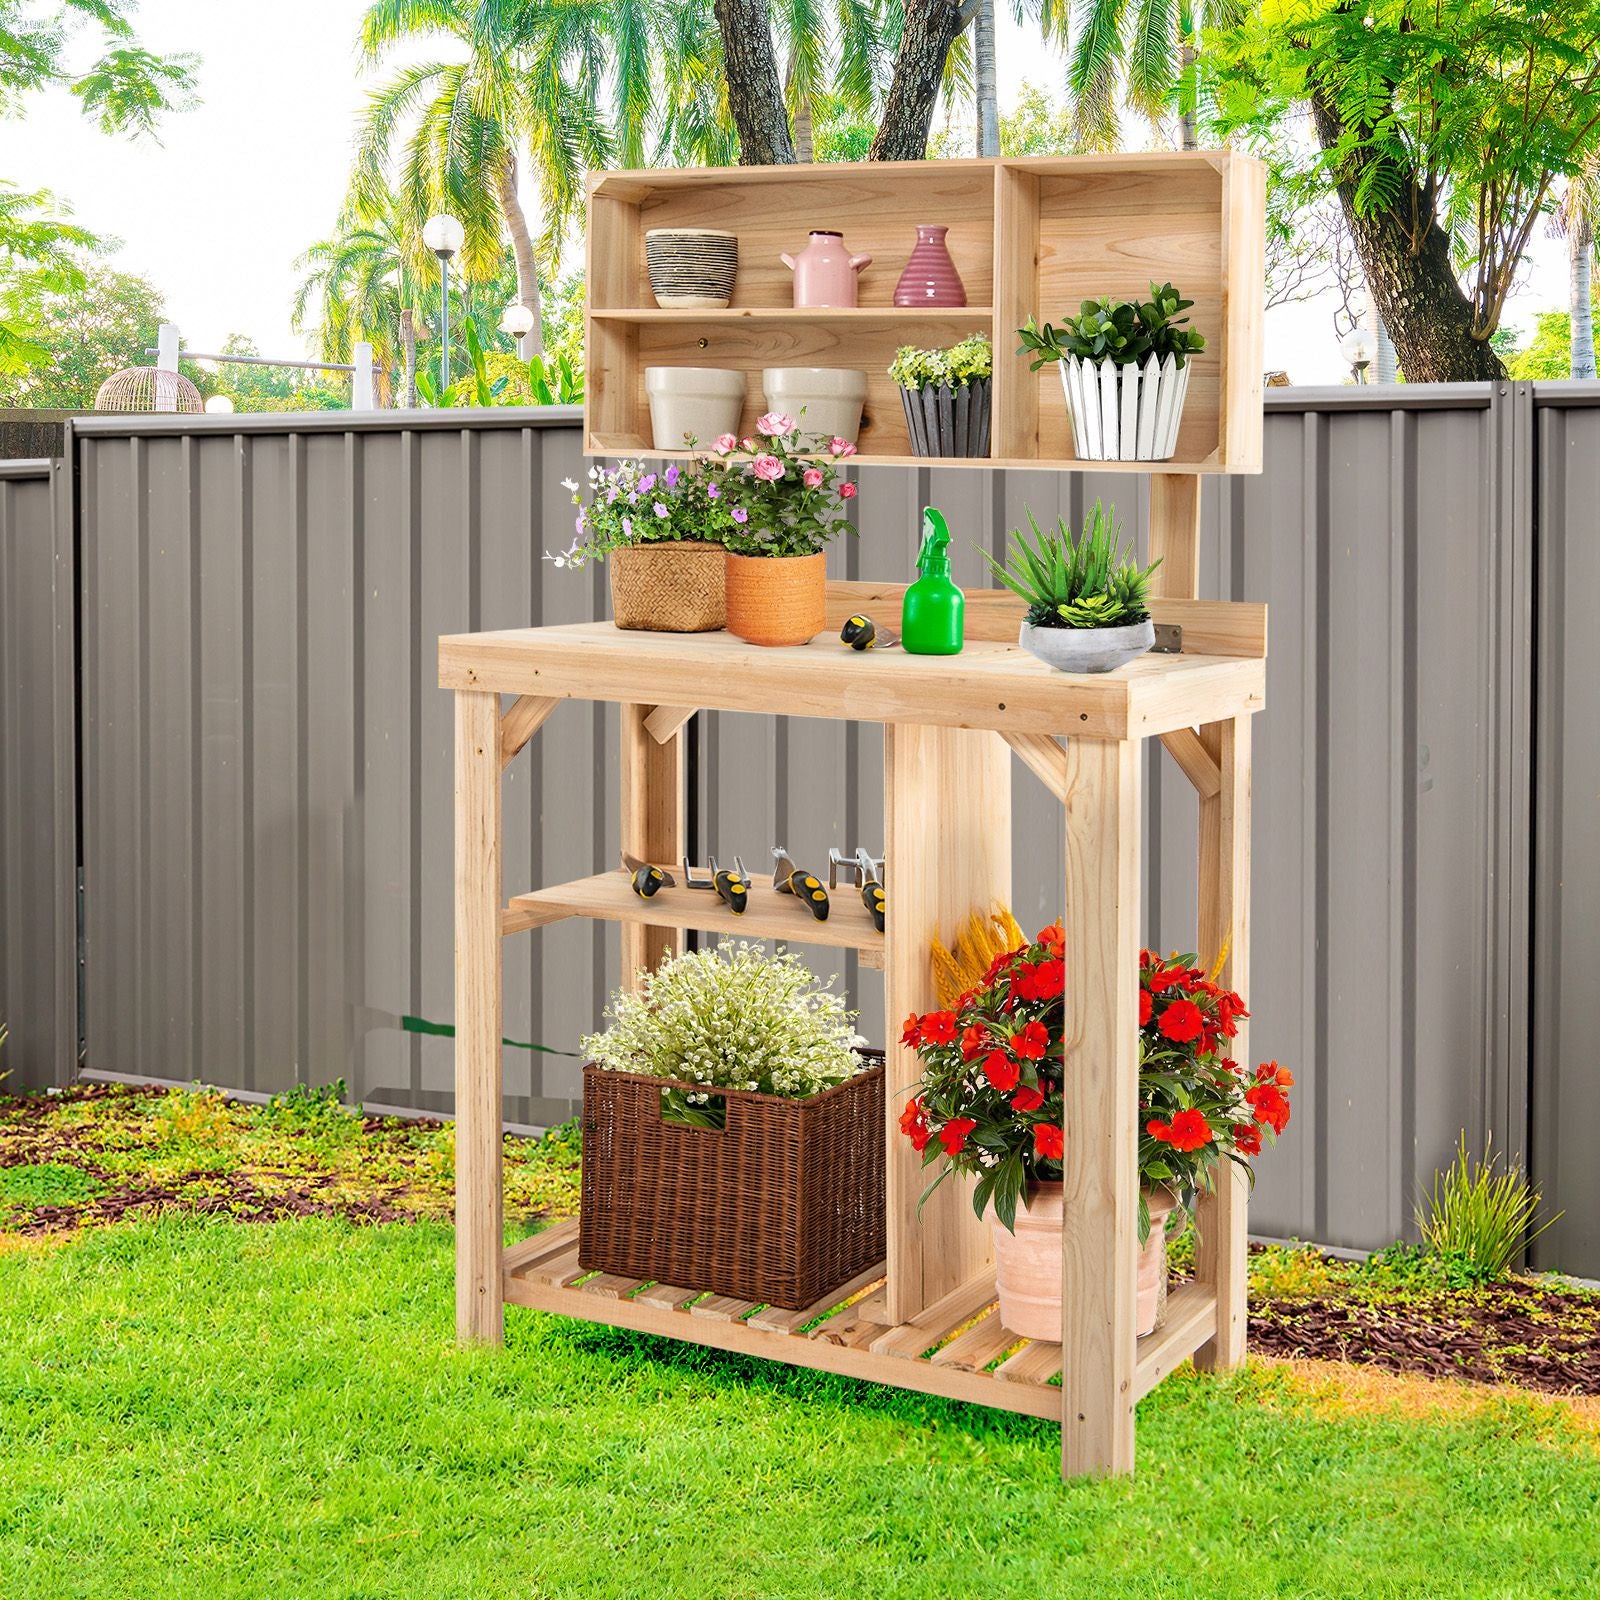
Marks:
<point>1086,579</point>
<point>1123,331</point>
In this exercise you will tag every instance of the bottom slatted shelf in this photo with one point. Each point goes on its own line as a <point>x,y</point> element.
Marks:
<point>957,1347</point>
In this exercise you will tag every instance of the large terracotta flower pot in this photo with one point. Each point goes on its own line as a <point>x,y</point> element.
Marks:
<point>776,600</point>
<point>1028,1265</point>
<point>671,587</point>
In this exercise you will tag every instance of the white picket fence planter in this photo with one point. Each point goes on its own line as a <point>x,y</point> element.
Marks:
<point>1125,413</point>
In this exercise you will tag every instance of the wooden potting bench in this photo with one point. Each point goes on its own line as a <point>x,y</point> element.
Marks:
<point>1030,238</point>
<point>950,726</point>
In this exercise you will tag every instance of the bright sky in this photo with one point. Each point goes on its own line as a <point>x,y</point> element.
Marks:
<point>216,214</point>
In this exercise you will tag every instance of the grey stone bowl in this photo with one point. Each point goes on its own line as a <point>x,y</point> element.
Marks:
<point>1087,649</point>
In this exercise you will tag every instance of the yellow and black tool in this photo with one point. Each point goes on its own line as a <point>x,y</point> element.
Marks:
<point>806,887</point>
<point>862,633</point>
<point>733,888</point>
<point>646,879</point>
<point>867,872</point>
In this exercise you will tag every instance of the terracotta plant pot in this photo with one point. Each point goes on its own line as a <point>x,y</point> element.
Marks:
<point>1028,1265</point>
<point>776,600</point>
<point>672,587</point>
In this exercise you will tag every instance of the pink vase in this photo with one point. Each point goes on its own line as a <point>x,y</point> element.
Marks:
<point>825,271</point>
<point>1027,1265</point>
<point>930,278</point>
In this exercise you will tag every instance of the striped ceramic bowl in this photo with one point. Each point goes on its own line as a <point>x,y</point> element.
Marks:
<point>691,266</point>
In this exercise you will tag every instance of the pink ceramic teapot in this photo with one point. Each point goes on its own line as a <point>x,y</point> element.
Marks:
<point>825,272</point>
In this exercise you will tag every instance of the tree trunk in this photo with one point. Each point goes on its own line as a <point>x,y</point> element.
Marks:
<point>755,95</point>
<point>930,29</point>
<point>804,122</point>
<point>408,346</point>
<point>1188,138</point>
<point>1580,262</point>
<point>988,79</point>
<point>1415,291</point>
<point>532,343</point>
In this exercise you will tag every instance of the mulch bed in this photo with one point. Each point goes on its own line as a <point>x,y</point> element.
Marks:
<point>1521,1332</point>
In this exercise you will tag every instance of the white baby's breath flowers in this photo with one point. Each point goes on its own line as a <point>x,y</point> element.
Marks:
<point>732,1018</point>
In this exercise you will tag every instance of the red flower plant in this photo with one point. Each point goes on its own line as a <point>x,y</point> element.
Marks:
<point>989,1104</point>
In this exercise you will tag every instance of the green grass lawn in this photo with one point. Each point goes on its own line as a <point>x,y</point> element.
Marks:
<point>189,1407</point>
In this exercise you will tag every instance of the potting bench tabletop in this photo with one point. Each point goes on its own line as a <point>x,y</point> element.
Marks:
<point>924,1319</point>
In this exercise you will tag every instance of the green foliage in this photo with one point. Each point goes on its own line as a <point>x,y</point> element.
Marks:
<point>968,361</point>
<point>1481,1216</point>
<point>46,1183</point>
<point>305,1102</point>
<point>85,324</point>
<point>1123,331</point>
<point>257,389</point>
<point>1077,580</point>
<point>1548,354</point>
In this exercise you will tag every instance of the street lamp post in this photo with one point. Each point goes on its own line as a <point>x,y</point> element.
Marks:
<point>444,236</point>
<point>517,321</point>
<point>1357,348</point>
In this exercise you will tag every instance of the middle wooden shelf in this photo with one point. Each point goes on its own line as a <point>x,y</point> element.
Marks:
<point>609,897</point>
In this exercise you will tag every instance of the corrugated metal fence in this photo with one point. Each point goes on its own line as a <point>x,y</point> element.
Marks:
<point>266,785</point>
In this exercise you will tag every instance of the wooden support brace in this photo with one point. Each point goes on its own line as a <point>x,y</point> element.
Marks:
<point>1224,929</point>
<point>1199,766</point>
<point>526,717</point>
<point>1044,757</point>
<point>1175,535</point>
<point>653,824</point>
<point>665,721</point>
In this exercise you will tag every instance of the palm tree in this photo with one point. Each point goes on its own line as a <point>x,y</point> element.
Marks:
<point>362,284</point>
<point>533,77</point>
<point>1148,47</point>
<point>1575,221</point>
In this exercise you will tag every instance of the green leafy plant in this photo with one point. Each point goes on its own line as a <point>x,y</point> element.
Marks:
<point>729,1018</point>
<point>1077,580</point>
<point>635,503</point>
<point>554,383</point>
<point>1481,1214</point>
<point>1123,331</point>
<point>478,388</point>
<point>969,361</point>
<point>783,490</point>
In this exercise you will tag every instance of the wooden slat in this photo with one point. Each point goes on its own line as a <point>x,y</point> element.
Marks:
<point>528,713</point>
<point>848,1360</point>
<point>935,1324</point>
<point>1215,627</point>
<point>525,912</point>
<point>665,721</point>
<point>1190,1321</point>
<point>665,1296</point>
<point>774,1319</point>
<point>608,897</point>
<point>989,685</point>
<point>973,1350</point>
<point>943,790</point>
<point>558,1270</point>
<point>857,1324</point>
<point>1175,535</point>
<point>1196,762</point>
<point>723,1308</point>
<point>608,1286</point>
<point>1044,757</point>
<point>1224,926</point>
<point>539,1246</point>
<point>1243,314</point>
<point>1033,1363</point>
<point>480,1225</point>
<point>1100,1092</point>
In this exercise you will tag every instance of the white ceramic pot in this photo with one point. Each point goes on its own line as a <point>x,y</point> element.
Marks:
<point>1087,649</point>
<point>826,402</point>
<point>692,403</point>
<point>1125,413</point>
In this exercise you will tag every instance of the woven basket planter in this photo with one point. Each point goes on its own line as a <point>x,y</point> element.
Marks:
<point>949,422</point>
<point>668,587</point>
<point>781,1206</point>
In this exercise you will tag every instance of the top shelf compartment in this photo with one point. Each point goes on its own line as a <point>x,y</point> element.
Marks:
<point>1030,237</point>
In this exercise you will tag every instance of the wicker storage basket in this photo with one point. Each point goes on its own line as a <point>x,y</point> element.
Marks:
<point>781,1206</point>
<point>671,587</point>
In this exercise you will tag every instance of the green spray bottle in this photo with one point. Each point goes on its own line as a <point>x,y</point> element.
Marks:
<point>933,614</point>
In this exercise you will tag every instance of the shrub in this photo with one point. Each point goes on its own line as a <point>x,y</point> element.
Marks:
<point>968,361</point>
<point>1482,1217</point>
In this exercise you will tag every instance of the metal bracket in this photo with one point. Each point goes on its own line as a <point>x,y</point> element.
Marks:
<point>1169,639</point>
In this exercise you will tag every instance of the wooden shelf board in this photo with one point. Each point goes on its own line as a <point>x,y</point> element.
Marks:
<point>802,314</point>
<point>854,1339</point>
<point>608,897</point>
<point>634,445</point>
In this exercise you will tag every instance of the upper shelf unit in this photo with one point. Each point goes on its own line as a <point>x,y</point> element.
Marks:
<point>1030,237</point>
